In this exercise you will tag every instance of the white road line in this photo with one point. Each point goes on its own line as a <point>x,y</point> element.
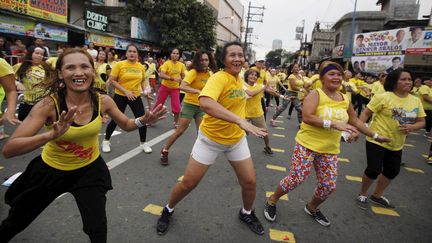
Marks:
<point>134,152</point>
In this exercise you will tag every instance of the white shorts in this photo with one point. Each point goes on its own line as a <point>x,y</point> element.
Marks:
<point>205,150</point>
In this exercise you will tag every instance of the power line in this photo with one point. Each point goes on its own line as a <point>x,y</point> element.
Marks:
<point>258,16</point>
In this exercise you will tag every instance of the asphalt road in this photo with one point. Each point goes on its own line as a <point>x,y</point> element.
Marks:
<point>210,212</point>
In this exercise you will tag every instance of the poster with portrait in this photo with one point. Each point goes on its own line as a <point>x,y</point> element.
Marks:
<point>377,64</point>
<point>381,43</point>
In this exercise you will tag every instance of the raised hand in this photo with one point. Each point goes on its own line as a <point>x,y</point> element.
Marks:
<point>10,117</point>
<point>249,128</point>
<point>154,115</point>
<point>64,122</point>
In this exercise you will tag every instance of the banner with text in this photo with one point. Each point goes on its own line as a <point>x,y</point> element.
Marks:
<point>55,11</point>
<point>49,32</point>
<point>382,43</point>
<point>377,64</point>
<point>11,25</point>
<point>100,40</point>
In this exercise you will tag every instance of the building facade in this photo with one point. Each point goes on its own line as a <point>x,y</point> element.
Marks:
<point>277,44</point>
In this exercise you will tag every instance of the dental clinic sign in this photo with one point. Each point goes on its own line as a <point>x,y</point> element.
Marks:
<point>96,21</point>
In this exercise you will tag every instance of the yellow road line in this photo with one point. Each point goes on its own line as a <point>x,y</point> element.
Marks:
<point>353,178</point>
<point>425,155</point>
<point>284,197</point>
<point>408,145</point>
<point>282,236</point>
<point>275,167</point>
<point>1,167</point>
<point>279,128</point>
<point>385,211</point>
<point>278,135</point>
<point>343,160</point>
<point>414,170</point>
<point>277,121</point>
<point>278,150</point>
<point>153,209</point>
<point>180,178</point>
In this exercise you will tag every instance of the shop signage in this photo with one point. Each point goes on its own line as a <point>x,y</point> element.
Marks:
<point>96,21</point>
<point>49,32</point>
<point>55,11</point>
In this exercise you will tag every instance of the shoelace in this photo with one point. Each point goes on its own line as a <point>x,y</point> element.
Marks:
<point>319,215</point>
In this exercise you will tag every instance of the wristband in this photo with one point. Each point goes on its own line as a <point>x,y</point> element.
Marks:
<point>375,136</point>
<point>327,124</point>
<point>281,96</point>
<point>138,123</point>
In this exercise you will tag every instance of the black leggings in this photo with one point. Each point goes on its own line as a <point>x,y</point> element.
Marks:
<point>137,108</point>
<point>41,184</point>
<point>268,98</point>
<point>428,120</point>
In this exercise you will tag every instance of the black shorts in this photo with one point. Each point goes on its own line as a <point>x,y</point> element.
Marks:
<point>381,160</point>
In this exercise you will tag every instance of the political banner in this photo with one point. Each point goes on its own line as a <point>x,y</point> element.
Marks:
<point>377,64</point>
<point>382,43</point>
<point>100,40</point>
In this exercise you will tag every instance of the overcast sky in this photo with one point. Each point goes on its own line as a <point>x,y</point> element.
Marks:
<point>282,16</point>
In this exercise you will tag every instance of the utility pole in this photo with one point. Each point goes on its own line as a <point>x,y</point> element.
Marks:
<point>250,18</point>
<point>351,41</point>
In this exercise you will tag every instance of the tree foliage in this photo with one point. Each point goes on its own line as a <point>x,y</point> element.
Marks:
<point>186,24</point>
<point>279,57</point>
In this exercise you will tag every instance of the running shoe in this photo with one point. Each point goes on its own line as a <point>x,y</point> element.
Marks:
<point>252,221</point>
<point>106,146</point>
<point>270,212</point>
<point>382,201</point>
<point>146,148</point>
<point>164,157</point>
<point>273,123</point>
<point>318,216</point>
<point>163,222</point>
<point>268,150</point>
<point>362,202</point>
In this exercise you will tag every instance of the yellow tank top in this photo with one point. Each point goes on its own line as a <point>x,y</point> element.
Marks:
<point>323,140</point>
<point>76,148</point>
<point>298,83</point>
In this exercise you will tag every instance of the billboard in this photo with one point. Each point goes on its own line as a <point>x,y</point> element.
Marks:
<point>11,25</point>
<point>420,53</point>
<point>100,40</point>
<point>49,32</point>
<point>55,11</point>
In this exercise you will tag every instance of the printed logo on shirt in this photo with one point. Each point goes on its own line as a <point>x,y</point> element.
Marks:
<point>236,93</point>
<point>403,116</point>
<point>335,114</point>
<point>133,70</point>
<point>78,150</point>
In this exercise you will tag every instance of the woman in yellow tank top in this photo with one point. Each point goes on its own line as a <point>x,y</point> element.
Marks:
<point>327,114</point>
<point>70,160</point>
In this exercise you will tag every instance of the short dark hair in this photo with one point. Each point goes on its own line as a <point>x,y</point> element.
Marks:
<point>392,79</point>
<point>224,50</point>
<point>360,36</point>
<point>363,62</point>
<point>396,58</point>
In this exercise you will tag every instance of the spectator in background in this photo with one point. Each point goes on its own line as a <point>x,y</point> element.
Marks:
<point>93,52</point>
<point>152,72</point>
<point>38,42</point>
<point>4,47</point>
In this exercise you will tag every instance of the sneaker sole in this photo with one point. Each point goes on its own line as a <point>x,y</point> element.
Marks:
<point>385,206</point>
<point>361,206</point>
<point>256,232</point>
<point>319,222</point>
<point>267,216</point>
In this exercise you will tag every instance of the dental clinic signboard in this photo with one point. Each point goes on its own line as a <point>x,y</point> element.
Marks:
<point>96,21</point>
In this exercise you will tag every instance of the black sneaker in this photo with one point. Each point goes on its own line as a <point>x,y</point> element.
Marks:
<point>268,150</point>
<point>362,202</point>
<point>382,201</point>
<point>270,212</point>
<point>163,221</point>
<point>252,221</point>
<point>318,216</point>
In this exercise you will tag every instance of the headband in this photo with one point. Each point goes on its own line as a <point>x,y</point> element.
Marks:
<point>327,69</point>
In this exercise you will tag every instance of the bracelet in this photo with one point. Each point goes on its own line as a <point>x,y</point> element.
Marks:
<point>327,124</point>
<point>375,136</point>
<point>138,123</point>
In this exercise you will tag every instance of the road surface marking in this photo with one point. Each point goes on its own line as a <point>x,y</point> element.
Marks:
<point>353,178</point>
<point>385,211</point>
<point>278,150</point>
<point>278,135</point>
<point>138,150</point>
<point>408,145</point>
<point>414,170</point>
<point>115,133</point>
<point>277,121</point>
<point>282,236</point>
<point>275,167</point>
<point>153,209</point>
<point>414,133</point>
<point>1,167</point>
<point>180,178</point>
<point>284,197</point>
<point>425,155</point>
<point>343,160</point>
<point>279,128</point>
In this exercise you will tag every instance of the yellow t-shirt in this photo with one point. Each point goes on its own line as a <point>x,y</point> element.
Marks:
<point>253,104</point>
<point>323,140</point>
<point>415,92</point>
<point>297,81</point>
<point>377,88</point>
<point>52,61</point>
<point>365,86</point>
<point>425,90</point>
<point>174,71</point>
<point>350,88</point>
<point>228,91</point>
<point>152,70</point>
<point>196,80</point>
<point>283,78</point>
<point>32,82</point>
<point>273,82</point>
<point>262,75</point>
<point>390,111</point>
<point>129,76</point>
<point>76,148</point>
<point>5,68</point>
<point>99,83</point>
<point>316,82</point>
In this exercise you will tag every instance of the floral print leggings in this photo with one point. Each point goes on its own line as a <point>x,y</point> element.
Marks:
<point>302,161</point>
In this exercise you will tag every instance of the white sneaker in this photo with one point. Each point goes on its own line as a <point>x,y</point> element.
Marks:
<point>106,146</point>
<point>147,149</point>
